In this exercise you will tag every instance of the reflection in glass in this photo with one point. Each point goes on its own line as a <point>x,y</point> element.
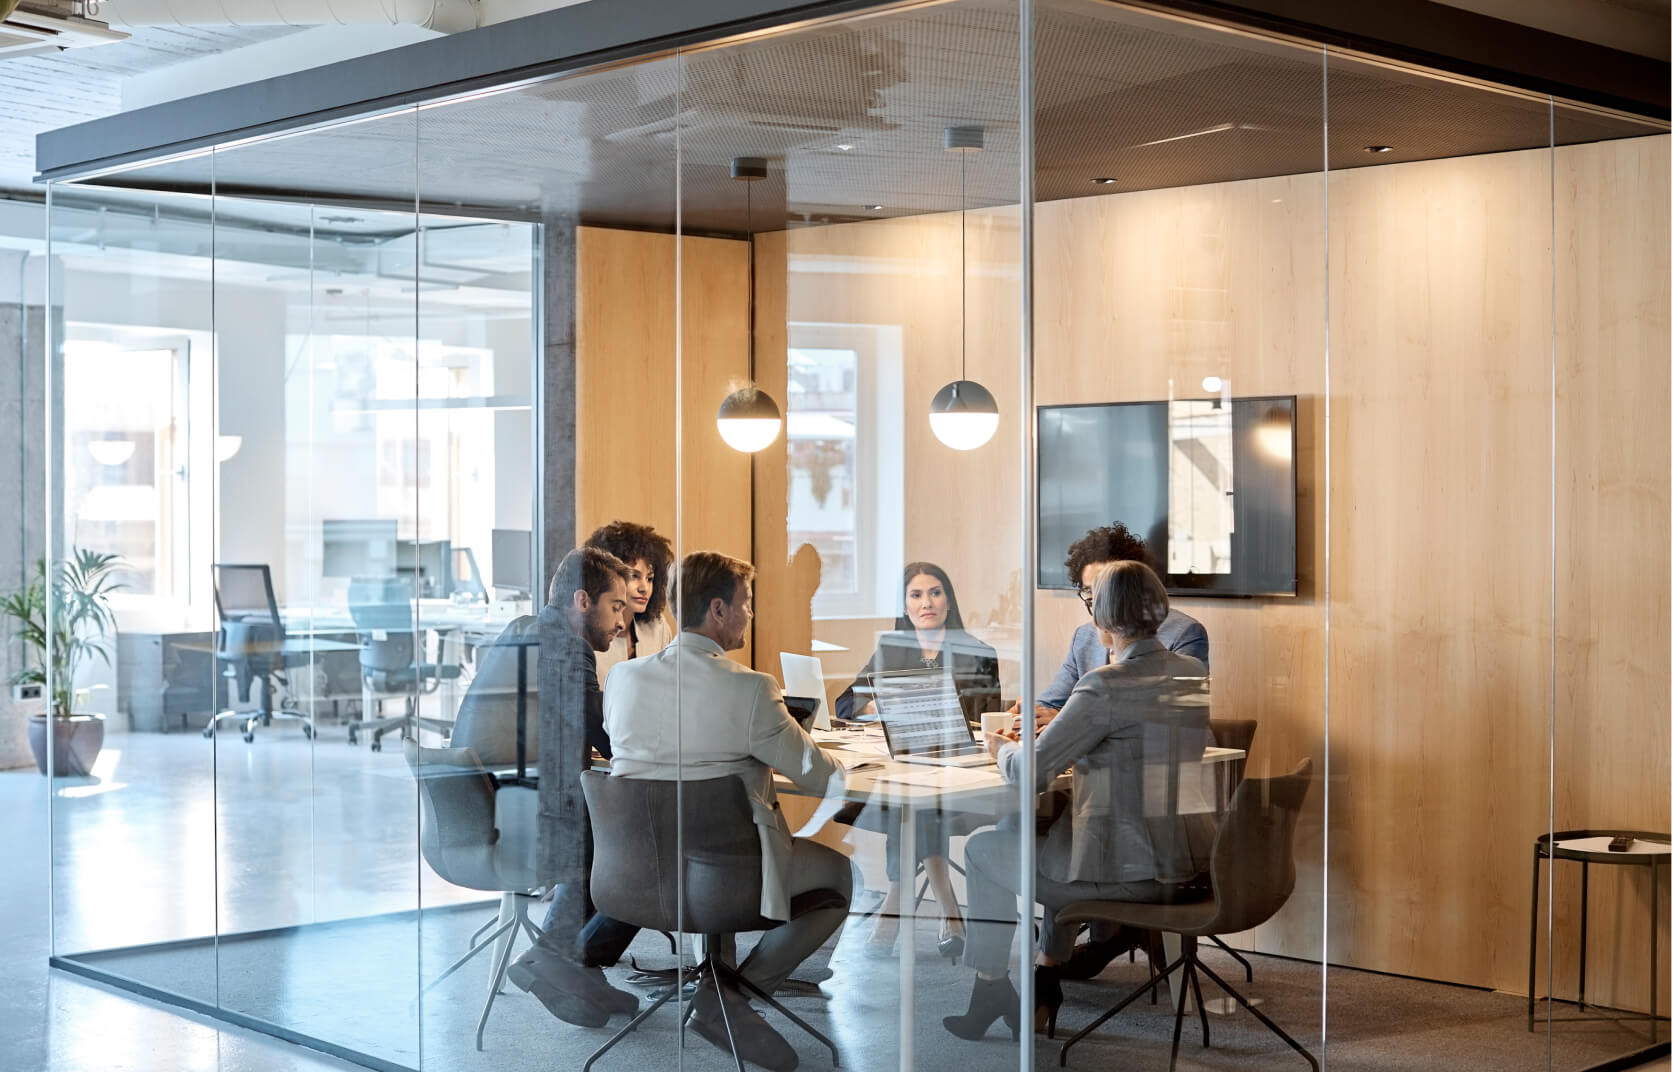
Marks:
<point>1200,486</point>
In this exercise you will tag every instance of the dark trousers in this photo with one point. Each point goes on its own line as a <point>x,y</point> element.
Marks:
<point>577,931</point>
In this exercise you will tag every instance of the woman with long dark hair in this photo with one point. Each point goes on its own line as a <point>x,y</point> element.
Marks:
<point>928,634</point>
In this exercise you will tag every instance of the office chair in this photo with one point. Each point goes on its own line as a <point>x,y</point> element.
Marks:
<point>481,836</point>
<point>390,664</point>
<point>636,876</point>
<point>1253,869</point>
<point>252,643</point>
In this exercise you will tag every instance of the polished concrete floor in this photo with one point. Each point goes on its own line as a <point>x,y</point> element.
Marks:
<point>306,852</point>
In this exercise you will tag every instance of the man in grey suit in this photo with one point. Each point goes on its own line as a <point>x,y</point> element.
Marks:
<point>1179,633</point>
<point>690,712</point>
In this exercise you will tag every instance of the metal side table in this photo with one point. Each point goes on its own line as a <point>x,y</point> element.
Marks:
<point>1648,849</point>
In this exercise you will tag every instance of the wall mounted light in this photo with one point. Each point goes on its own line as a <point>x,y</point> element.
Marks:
<point>963,414</point>
<point>749,419</point>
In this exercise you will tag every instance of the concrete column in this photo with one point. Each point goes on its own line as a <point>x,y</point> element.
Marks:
<point>23,484</point>
<point>562,730</point>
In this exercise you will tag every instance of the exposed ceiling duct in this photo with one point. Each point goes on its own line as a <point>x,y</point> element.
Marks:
<point>442,16</point>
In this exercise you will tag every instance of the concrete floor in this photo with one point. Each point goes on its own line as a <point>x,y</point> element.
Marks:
<point>176,837</point>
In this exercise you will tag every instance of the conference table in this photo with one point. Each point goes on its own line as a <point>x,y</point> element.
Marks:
<point>975,791</point>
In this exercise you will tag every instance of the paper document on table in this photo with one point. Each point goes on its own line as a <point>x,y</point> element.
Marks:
<point>942,777</point>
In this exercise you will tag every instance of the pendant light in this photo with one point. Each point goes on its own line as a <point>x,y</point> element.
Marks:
<point>749,419</point>
<point>963,414</point>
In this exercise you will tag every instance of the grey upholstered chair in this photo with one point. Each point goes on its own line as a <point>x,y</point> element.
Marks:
<point>390,660</point>
<point>1253,870</point>
<point>636,834</point>
<point>481,836</point>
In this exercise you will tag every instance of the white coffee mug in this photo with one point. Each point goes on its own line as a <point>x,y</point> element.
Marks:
<point>996,721</point>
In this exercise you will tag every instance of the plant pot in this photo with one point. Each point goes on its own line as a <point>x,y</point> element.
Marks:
<point>75,743</point>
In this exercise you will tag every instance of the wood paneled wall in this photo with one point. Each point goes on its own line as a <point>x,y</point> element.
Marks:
<point>1466,609</point>
<point>629,391</point>
<point>1444,420</point>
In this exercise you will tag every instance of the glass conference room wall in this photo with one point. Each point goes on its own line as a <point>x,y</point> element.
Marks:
<point>501,321</point>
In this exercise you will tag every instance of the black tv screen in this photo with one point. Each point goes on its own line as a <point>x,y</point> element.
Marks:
<point>1209,487</point>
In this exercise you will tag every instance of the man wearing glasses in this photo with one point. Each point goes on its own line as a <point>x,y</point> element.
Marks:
<point>1087,558</point>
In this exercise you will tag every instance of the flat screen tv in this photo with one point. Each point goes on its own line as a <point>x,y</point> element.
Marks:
<point>1210,487</point>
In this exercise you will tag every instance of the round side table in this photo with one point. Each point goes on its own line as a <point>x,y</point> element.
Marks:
<point>1648,849</point>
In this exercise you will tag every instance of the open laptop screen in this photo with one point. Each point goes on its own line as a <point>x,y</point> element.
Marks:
<point>920,711</point>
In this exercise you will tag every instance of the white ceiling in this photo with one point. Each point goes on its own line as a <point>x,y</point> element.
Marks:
<point>44,92</point>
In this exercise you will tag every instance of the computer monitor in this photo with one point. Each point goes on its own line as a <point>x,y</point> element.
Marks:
<point>513,561</point>
<point>427,562</point>
<point>357,547</point>
<point>467,577</point>
<point>244,593</point>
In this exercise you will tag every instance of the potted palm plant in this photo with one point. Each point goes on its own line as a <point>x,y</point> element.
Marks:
<point>80,620</point>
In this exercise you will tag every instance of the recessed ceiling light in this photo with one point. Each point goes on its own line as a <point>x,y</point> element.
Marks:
<point>1378,148</point>
<point>1104,181</point>
<point>873,208</point>
<point>844,147</point>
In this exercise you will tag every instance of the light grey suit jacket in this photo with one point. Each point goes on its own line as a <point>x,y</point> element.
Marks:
<point>690,712</point>
<point>1134,739</point>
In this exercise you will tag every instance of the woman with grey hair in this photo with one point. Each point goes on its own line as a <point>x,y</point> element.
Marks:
<point>1138,829</point>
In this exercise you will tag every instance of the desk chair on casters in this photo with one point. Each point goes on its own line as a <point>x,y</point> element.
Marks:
<point>1253,869</point>
<point>482,836</point>
<point>635,877</point>
<point>390,662</point>
<point>253,647</point>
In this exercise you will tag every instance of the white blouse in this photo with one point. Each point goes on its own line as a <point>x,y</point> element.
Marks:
<point>652,637</point>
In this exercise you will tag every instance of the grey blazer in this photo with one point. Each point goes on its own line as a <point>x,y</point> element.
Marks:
<point>1135,748</point>
<point>690,712</point>
<point>1179,633</point>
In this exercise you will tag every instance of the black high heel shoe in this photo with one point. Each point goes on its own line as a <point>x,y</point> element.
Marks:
<point>1047,999</point>
<point>990,999</point>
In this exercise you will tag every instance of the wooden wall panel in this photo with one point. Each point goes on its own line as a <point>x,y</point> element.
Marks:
<point>1440,544</point>
<point>1612,578</point>
<point>628,387</point>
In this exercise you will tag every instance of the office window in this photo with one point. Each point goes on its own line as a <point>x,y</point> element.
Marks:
<point>845,482</point>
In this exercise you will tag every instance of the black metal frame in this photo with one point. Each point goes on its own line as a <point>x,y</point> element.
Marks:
<point>1191,986</point>
<point>582,36</point>
<point>722,975</point>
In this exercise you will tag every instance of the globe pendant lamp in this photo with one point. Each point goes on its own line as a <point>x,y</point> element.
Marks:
<point>963,414</point>
<point>749,419</point>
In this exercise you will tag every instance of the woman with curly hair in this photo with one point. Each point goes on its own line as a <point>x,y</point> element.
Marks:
<point>649,557</point>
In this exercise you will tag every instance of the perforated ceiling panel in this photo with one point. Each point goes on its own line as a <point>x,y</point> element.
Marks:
<point>850,117</point>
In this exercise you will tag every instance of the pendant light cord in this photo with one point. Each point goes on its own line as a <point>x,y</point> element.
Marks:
<point>963,268</point>
<point>749,230</point>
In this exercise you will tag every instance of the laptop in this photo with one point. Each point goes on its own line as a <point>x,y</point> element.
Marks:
<point>804,677</point>
<point>923,720</point>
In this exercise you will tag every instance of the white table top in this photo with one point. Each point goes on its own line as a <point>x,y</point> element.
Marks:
<point>975,790</point>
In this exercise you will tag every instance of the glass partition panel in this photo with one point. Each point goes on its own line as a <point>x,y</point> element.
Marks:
<point>317,525</point>
<point>133,454</point>
<point>556,327</point>
<point>861,180</point>
<point>1179,328</point>
<point>1439,498</point>
<point>1605,958</point>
